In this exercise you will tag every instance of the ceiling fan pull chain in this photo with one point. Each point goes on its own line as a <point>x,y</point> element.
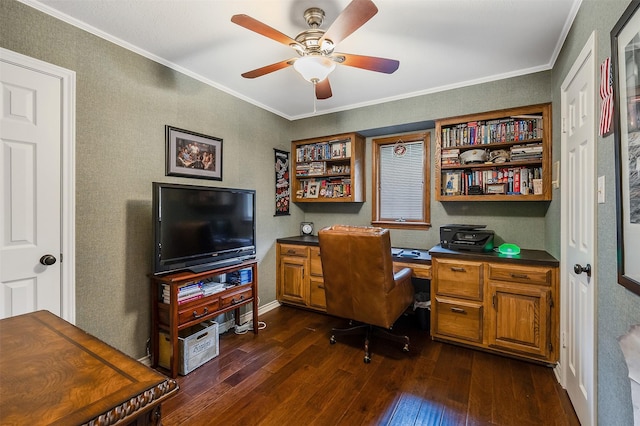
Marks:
<point>314,96</point>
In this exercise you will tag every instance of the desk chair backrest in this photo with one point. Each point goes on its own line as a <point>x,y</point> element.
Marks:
<point>358,275</point>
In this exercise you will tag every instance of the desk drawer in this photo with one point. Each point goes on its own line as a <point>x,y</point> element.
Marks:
<point>458,278</point>
<point>521,274</point>
<point>462,320</point>
<point>196,310</point>
<point>292,250</point>
<point>236,298</point>
<point>420,270</point>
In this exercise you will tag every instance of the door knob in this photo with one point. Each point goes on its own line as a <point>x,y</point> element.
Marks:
<point>48,260</point>
<point>578,269</point>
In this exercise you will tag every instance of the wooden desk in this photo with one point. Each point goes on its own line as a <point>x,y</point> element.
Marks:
<point>498,303</point>
<point>299,280</point>
<point>418,260</point>
<point>54,373</point>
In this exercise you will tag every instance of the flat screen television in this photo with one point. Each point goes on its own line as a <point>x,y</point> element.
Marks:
<point>197,228</point>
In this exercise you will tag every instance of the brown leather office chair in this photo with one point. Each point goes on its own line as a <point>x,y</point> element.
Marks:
<point>360,284</point>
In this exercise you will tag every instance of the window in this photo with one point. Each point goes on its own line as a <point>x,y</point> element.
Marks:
<point>401,181</point>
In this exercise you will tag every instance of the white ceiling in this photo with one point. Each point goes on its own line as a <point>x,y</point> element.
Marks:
<point>441,44</point>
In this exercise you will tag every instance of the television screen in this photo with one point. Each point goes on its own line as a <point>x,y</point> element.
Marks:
<point>198,228</point>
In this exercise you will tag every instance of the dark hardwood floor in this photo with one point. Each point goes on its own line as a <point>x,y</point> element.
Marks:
<point>290,375</point>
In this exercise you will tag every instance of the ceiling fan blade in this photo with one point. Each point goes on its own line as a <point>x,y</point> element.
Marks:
<point>371,63</point>
<point>323,89</point>
<point>268,69</point>
<point>350,19</point>
<point>254,25</point>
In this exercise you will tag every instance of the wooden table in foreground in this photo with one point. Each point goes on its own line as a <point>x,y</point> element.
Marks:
<point>52,372</point>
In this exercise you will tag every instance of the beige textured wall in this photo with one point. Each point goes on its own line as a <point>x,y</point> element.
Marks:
<point>123,103</point>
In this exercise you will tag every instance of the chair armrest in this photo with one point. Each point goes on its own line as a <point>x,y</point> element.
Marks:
<point>402,274</point>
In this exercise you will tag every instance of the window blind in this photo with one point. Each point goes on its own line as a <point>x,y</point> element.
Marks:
<point>401,182</point>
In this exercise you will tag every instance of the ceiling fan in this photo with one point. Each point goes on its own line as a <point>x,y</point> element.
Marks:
<point>315,46</point>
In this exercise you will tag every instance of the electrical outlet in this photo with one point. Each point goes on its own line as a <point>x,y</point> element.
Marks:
<point>600,189</point>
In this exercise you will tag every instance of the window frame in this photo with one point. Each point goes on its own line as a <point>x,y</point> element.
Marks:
<point>425,221</point>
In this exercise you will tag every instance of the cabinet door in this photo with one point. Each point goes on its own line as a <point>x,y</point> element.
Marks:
<point>519,318</point>
<point>317,297</point>
<point>292,276</point>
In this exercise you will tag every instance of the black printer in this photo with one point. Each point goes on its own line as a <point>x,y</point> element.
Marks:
<point>466,237</point>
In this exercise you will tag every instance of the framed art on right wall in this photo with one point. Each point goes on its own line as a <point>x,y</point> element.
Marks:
<point>625,50</point>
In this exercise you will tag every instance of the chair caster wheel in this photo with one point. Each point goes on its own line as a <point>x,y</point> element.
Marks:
<point>405,348</point>
<point>332,340</point>
<point>367,359</point>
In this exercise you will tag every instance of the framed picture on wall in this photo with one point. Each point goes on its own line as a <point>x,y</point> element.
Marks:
<point>191,154</point>
<point>625,48</point>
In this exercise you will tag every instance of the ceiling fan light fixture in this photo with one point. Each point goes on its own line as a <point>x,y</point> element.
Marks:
<point>314,68</point>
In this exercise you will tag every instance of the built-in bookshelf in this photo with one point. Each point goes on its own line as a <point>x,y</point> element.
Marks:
<point>502,155</point>
<point>328,169</point>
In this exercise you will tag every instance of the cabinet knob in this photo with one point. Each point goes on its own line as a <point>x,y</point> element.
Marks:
<point>578,269</point>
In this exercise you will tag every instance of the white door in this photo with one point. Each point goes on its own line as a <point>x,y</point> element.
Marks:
<point>578,234</point>
<point>32,131</point>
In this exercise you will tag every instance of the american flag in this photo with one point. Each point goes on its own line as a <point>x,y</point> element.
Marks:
<point>606,93</point>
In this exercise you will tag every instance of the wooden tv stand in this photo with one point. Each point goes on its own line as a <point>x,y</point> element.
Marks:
<point>172,317</point>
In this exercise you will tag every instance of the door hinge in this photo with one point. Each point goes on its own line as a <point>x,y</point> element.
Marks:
<point>551,302</point>
<point>550,347</point>
<point>494,301</point>
<point>564,125</point>
<point>61,258</point>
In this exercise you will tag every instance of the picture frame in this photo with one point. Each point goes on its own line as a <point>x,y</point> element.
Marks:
<point>313,190</point>
<point>452,183</point>
<point>625,51</point>
<point>191,154</point>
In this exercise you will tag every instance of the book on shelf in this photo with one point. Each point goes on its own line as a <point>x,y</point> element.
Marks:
<point>166,298</point>
<point>323,151</point>
<point>190,299</point>
<point>340,149</point>
<point>507,129</point>
<point>317,168</point>
<point>184,294</point>
<point>211,288</point>
<point>516,181</point>
<point>526,152</point>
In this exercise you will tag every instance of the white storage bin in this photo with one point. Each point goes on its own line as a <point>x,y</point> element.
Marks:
<point>196,345</point>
